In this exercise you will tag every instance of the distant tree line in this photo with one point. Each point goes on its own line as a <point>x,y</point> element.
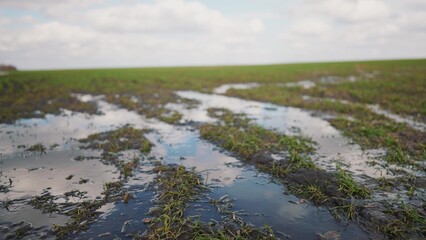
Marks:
<point>7,68</point>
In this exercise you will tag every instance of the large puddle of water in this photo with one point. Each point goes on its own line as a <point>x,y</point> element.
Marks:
<point>397,118</point>
<point>332,147</point>
<point>255,197</point>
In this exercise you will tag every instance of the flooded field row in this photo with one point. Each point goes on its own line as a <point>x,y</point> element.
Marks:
<point>56,167</point>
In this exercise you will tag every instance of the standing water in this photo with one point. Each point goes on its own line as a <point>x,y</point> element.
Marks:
<point>254,196</point>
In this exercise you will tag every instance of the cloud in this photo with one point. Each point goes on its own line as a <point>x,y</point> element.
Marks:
<point>311,27</point>
<point>350,24</point>
<point>4,21</point>
<point>169,16</point>
<point>353,10</point>
<point>159,32</point>
<point>51,35</point>
<point>49,6</point>
<point>94,33</point>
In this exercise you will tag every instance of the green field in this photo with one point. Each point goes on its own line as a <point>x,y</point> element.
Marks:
<point>345,94</point>
<point>398,86</point>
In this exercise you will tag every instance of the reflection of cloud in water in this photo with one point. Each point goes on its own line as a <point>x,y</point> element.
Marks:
<point>32,175</point>
<point>58,129</point>
<point>29,214</point>
<point>195,153</point>
<point>254,193</point>
<point>332,145</point>
<point>397,118</point>
<point>224,88</point>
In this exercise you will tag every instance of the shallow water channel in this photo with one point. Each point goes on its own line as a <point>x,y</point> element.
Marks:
<point>255,197</point>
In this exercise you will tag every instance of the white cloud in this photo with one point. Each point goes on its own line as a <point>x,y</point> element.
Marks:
<point>311,27</point>
<point>28,20</point>
<point>157,33</point>
<point>57,32</point>
<point>51,35</point>
<point>169,16</point>
<point>345,29</point>
<point>86,33</point>
<point>413,4</point>
<point>4,21</point>
<point>413,21</point>
<point>48,5</point>
<point>353,10</point>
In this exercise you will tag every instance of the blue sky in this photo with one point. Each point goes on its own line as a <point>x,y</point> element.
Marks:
<point>51,34</point>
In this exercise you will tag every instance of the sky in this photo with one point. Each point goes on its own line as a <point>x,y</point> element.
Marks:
<point>52,34</point>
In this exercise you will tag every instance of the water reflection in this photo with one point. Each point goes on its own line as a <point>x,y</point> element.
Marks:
<point>224,88</point>
<point>410,122</point>
<point>332,146</point>
<point>187,149</point>
<point>32,174</point>
<point>263,200</point>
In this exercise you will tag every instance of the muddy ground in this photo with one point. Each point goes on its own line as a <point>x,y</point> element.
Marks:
<point>205,164</point>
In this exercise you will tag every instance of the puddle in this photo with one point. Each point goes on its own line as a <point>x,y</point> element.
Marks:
<point>184,147</point>
<point>326,80</point>
<point>414,124</point>
<point>122,219</point>
<point>27,213</point>
<point>281,211</point>
<point>57,172</point>
<point>224,88</point>
<point>306,84</point>
<point>255,198</point>
<point>332,147</point>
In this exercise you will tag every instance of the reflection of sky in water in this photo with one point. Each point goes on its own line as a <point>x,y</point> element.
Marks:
<point>332,146</point>
<point>35,173</point>
<point>179,145</point>
<point>263,202</point>
<point>59,129</point>
<point>32,173</point>
<point>224,88</point>
<point>121,220</point>
<point>410,122</point>
<point>253,192</point>
<point>27,213</point>
<point>184,147</point>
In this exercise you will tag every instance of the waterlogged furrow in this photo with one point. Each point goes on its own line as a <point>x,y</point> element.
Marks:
<point>412,123</point>
<point>238,192</point>
<point>332,146</point>
<point>178,186</point>
<point>394,208</point>
<point>291,163</point>
<point>171,145</point>
<point>43,168</point>
<point>370,127</point>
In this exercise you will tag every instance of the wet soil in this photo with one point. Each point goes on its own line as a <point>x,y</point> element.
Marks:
<point>111,160</point>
